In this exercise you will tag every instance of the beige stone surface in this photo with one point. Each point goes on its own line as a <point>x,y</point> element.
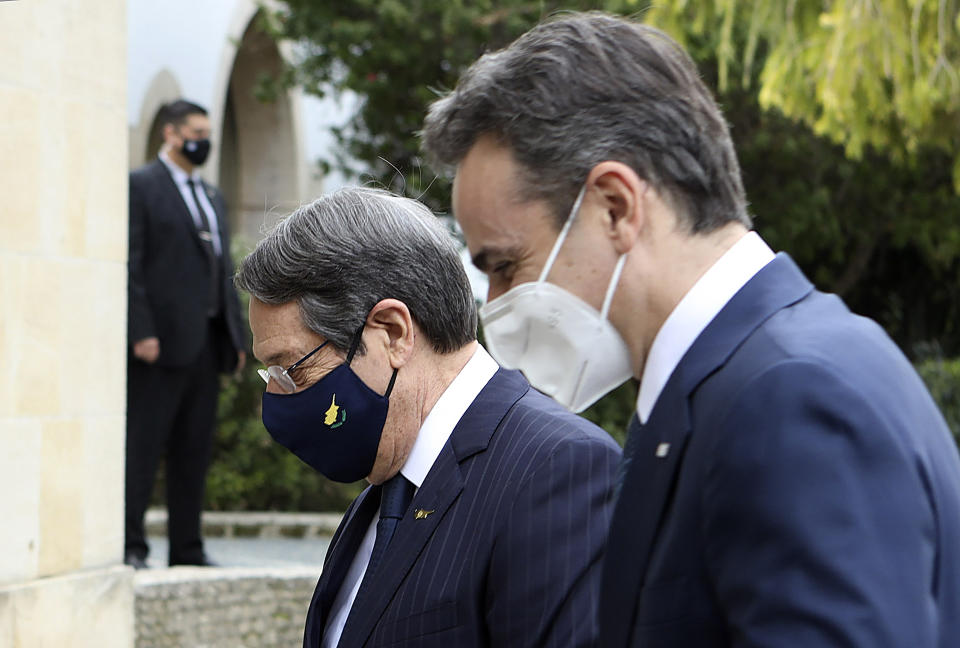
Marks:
<point>62,501</point>
<point>93,337</point>
<point>91,609</point>
<point>62,88</point>
<point>63,249</point>
<point>102,476</point>
<point>20,505</point>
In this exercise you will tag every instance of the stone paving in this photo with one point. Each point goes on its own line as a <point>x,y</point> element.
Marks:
<point>252,552</point>
<point>269,564</point>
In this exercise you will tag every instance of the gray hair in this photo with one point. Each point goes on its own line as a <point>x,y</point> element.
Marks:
<point>590,87</point>
<point>340,255</point>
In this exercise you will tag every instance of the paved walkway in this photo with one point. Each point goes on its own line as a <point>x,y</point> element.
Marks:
<point>253,539</point>
<point>251,552</point>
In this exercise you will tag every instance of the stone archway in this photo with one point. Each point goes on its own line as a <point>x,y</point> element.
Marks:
<point>259,158</point>
<point>154,138</point>
<point>145,136</point>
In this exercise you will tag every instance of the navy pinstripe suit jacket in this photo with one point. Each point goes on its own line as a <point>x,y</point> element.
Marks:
<point>521,495</point>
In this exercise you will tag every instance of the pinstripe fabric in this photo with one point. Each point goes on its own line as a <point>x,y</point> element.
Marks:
<point>521,501</point>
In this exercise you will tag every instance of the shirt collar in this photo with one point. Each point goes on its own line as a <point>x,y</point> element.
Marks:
<point>446,413</point>
<point>179,175</point>
<point>694,313</point>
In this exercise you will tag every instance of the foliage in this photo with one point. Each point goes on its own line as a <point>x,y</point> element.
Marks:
<point>878,229</point>
<point>877,73</point>
<point>397,55</point>
<point>860,192</point>
<point>880,232</point>
<point>613,411</point>
<point>942,376</point>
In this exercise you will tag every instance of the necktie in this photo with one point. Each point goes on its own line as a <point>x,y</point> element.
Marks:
<point>634,432</point>
<point>206,239</point>
<point>395,499</point>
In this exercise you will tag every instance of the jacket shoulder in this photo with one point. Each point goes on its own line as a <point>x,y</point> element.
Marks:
<point>548,424</point>
<point>147,174</point>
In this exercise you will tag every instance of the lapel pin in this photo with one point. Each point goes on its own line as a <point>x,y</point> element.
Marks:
<point>420,514</point>
<point>663,449</point>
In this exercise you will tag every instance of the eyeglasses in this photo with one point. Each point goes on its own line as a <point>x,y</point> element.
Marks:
<point>281,376</point>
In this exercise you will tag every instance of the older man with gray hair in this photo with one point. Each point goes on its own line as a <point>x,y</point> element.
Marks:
<point>488,507</point>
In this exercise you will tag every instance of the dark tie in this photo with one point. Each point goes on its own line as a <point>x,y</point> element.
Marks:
<point>395,499</point>
<point>634,433</point>
<point>206,239</point>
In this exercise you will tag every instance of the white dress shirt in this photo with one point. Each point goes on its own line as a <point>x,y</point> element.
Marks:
<point>696,310</point>
<point>433,434</point>
<point>180,178</point>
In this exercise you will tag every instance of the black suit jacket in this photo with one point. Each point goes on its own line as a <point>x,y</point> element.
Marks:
<point>520,499</point>
<point>795,485</point>
<point>169,273</point>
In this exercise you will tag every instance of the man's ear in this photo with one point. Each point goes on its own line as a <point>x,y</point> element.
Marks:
<point>622,196</point>
<point>168,132</point>
<point>391,322</point>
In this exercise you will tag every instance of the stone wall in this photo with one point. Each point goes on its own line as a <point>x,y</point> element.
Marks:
<point>63,251</point>
<point>223,607</point>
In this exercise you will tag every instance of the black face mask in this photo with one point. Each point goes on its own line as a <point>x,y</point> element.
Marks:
<point>196,150</point>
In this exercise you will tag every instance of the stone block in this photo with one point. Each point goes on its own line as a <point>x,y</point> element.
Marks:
<point>103,484</point>
<point>92,609</point>
<point>34,287</point>
<point>20,465</point>
<point>62,502</point>
<point>93,309</point>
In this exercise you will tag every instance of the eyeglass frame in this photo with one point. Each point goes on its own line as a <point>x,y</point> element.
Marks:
<point>354,346</point>
<point>267,373</point>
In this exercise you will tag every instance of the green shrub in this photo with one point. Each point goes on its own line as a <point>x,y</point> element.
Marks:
<point>942,376</point>
<point>613,411</point>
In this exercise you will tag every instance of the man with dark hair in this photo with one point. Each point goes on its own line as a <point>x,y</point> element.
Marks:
<point>787,481</point>
<point>489,504</point>
<point>184,327</point>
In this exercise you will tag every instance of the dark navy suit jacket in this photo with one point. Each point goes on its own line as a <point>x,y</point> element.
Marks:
<point>809,494</point>
<point>510,556</point>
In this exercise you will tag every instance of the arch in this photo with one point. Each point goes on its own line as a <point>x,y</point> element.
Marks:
<point>259,167</point>
<point>145,136</point>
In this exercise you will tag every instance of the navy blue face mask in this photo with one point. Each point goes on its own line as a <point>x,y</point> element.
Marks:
<point>333,426</point>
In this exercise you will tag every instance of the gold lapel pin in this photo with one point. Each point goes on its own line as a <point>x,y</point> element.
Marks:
<point>420,514</point>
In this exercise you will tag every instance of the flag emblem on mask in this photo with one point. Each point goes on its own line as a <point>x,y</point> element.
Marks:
<point>335,415</point>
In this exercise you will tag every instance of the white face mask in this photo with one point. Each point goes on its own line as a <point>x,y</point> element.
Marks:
<point>564,347</point>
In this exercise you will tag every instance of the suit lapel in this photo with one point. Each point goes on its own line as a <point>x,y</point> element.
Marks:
<point>337,562</point>
<point>658,449</point>
<point>408,542</point>
<point>654,467</point>
<point>439,491</point>
<point>177,202</point>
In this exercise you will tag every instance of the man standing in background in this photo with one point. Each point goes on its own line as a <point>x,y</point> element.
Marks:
<point>184,328</point>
